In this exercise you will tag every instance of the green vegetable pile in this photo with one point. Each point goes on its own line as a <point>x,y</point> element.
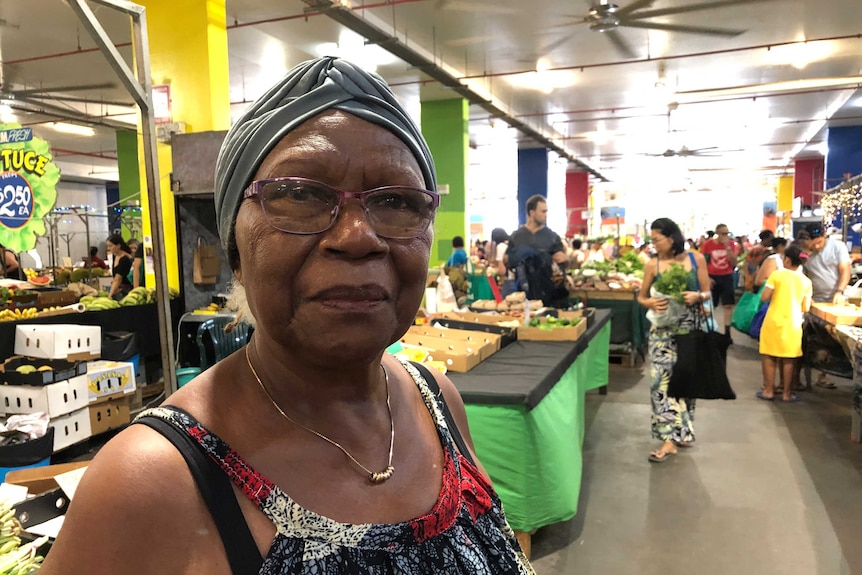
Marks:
<point>550,323</point>
<point>673,282</point>
<point>14,558</point>
<point>626,264</point>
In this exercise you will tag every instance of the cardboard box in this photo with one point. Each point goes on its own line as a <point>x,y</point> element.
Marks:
<point>61,370</point>
<point>466,321</point>
<point>71,428</point>
<point>571,333</point>
<point>56,298</point>
<point>55,399</point>
<point>457,355</point>
<point>488,343</point>
<point>59,341</point>
<point>109,414</point>
<point>109,378</point>
<point>837,314</point>
<point>41,479</point>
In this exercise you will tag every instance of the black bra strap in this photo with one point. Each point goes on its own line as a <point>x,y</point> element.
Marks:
<point>447,415</point>
<point>215,488</point>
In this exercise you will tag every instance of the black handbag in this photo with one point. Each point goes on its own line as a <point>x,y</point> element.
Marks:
<point>700,368</point>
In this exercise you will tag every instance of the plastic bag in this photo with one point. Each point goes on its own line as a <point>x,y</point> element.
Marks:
<point>670,316</point>
<point>445,294</point>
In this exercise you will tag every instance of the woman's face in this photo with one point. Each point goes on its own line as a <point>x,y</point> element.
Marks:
<point>345,293</point>
<point>113,248</point>
<point>663,244</point>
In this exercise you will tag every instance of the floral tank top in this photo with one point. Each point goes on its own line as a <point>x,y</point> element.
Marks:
<point>464,533</point>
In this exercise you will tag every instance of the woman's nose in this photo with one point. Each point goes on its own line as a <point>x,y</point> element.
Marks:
<point>351,234</point>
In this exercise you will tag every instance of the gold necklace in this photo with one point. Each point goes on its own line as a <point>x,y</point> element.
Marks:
<point>373,476</point>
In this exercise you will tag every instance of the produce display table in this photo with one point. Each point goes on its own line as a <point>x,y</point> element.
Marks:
<point>850,338</point>
<point>141,319</point>
<point>629,325</point>
<point>525,406</point>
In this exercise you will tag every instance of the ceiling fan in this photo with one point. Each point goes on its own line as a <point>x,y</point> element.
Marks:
<point>607,18</point>
<point>684,151</point>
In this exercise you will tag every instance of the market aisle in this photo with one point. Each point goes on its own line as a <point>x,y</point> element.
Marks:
<point>770,488</point>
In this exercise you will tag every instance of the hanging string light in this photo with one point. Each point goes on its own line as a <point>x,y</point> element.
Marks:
<point>844,200</point>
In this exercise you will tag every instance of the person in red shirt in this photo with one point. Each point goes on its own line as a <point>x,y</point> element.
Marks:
<point>720,256</point>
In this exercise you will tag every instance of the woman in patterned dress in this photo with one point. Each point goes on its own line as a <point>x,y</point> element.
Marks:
<point>310,451</point>
<point>672,418</point>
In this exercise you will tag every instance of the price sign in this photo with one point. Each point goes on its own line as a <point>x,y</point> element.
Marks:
<point>16,200</point>
<point>28,180</point>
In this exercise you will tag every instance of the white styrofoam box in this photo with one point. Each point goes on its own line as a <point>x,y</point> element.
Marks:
<point>58,341</point>
<point>107,378</point>
<point>55,399</point>
<point>71,428</point>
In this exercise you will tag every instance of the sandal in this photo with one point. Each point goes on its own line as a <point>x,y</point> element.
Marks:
<point>684,444</point>
<point>759,395</point>
<point>792,399</point>
<point>659,456</point>
<point>822,382</point>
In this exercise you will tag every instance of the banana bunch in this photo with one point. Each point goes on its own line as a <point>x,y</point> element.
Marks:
<point>92,303</point>
<point>30,273</point>
<point>213,307</point>
<point>137,296</point>
<point>15,559</point>
<point>18,314</point>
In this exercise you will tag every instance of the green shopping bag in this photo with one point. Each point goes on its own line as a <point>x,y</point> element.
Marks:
<point>747,307</point>
<point>480,286</point>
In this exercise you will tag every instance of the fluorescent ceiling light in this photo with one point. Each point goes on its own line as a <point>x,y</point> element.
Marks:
<point>775,87</point>
<point>800,54</point>
<point>75,129</point>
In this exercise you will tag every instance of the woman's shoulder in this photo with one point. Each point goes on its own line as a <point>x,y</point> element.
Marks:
<point>131,495</point>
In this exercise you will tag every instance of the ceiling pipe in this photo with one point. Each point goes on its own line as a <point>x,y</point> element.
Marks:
<point>64,153</point>
<point>696,102</point>
<point>311,12</point>
<point>374,35</point>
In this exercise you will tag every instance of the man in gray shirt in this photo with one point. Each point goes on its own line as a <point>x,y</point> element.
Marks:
<point>828,265</point>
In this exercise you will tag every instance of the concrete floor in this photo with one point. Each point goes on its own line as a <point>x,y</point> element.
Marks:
<point>769,488</point>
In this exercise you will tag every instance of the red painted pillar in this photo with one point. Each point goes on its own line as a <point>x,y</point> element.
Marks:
<point>577,201</point>
<point>807,179</point>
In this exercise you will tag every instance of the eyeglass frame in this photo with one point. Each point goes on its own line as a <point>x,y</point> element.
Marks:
<point>255,187</point>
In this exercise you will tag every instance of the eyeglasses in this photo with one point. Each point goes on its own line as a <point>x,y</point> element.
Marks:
<point>303,206</point>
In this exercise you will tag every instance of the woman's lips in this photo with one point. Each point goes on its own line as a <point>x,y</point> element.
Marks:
<point>352,298</point>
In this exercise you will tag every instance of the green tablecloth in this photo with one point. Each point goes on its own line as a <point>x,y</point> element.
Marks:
<point>534,455</point>
<point>629,323</point>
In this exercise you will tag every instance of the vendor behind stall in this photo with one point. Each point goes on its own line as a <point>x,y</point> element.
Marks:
<point>120,267</point>
<point>9,267</point>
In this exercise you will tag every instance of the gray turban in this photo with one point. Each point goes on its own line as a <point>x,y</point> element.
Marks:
<point>309,89</point>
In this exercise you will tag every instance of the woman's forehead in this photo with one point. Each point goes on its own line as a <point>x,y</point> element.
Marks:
<point>334,140</point>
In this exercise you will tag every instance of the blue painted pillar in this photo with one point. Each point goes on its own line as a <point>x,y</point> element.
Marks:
<point>532,177</point>
<point>844,159</point>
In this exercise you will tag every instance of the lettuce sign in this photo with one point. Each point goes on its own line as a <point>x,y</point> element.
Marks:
<point>28,180</point>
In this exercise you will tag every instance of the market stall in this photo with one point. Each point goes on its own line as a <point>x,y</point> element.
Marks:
<point>614,285</point>
<point>525,406</point>
<point>629,325</point>
<point>836,329</point>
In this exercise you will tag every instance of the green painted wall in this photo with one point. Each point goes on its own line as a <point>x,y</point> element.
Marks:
<point>444,125</point>
<point>127,166</point>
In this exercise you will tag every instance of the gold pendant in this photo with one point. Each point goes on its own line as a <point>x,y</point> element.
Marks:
<point>381,476</point>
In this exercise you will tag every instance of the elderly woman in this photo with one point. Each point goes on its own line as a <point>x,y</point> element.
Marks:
<point>310,450</point>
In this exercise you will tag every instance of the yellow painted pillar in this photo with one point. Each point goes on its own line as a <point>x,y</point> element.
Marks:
<point>188,52</point>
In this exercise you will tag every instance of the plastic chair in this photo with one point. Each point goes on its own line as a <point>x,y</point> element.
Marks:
<point>222,344</point>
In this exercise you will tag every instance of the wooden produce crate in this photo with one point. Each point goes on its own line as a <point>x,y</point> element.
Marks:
<point>487,343</point>
<point>837,314</point>
<point>569,333</point>
<point>457,355</point>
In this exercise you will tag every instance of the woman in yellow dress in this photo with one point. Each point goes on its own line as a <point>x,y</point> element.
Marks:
<point>789,295</point>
